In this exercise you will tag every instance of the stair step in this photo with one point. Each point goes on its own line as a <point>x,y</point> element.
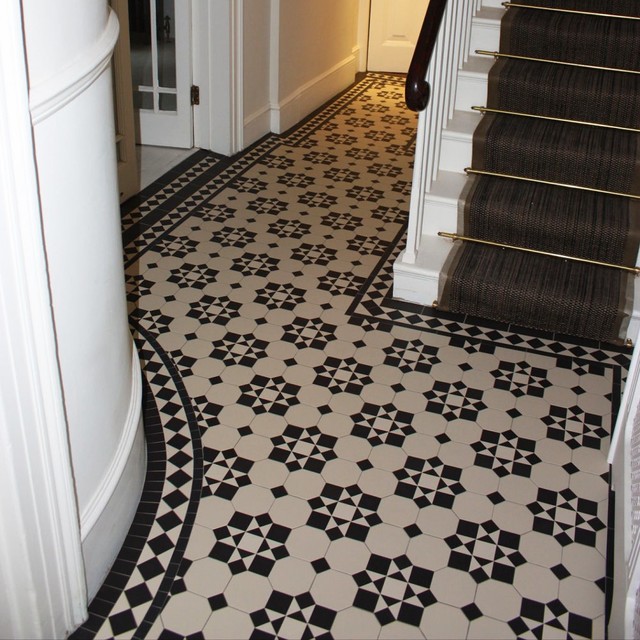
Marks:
<point>536,291</point>
<point>576,39</point>
<point>472,82</point>
<point>457,141</point>
<point>528,147</point>
<point>496,4</point>
<point>441,203</point>
<point>485,33</point>
<point>539,216</point>
<point>614,7</point>
<point>593,95</point>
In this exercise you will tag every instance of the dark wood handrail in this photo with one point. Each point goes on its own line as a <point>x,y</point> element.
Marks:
<point>417,90</point>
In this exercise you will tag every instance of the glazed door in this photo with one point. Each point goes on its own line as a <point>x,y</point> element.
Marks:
<point>160,35</point>
<point>393,31</point>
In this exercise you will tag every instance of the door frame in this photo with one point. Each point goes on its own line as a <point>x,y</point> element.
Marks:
<point>217,69</point>
<point>364,23</point>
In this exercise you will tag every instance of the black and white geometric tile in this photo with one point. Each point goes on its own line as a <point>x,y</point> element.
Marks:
<point>326,461</point>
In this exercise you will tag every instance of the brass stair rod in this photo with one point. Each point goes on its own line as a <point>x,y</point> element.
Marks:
<point>554,119</point>
<point>518,5</point>
<point>494,174</point>
<point>500,245</point>
<point>497,54</point>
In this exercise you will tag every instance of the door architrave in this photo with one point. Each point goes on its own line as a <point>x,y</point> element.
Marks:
<point>217,70</point>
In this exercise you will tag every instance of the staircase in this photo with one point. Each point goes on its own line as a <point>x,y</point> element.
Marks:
<point>445,149</point>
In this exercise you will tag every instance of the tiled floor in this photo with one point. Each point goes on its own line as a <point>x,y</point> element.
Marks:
<point>324,461</point>
<point>154,162</point>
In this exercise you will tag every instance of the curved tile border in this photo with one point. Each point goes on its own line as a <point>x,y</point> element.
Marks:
<point>139,581</point>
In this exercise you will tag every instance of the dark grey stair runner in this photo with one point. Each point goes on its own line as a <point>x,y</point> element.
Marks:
<point>546,292</point>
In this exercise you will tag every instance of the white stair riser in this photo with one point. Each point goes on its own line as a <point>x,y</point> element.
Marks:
<point>440,215</point>
<point>471,91</point>
<point>419,282</point>
<point>485,35</point>
<point>456,153</point>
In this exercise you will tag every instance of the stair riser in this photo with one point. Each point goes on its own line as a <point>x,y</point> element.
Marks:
<point>471,91</point>
<point>485,35</point>
<point>456,153</point>
<point>441,216</point>
<point>495,4</point>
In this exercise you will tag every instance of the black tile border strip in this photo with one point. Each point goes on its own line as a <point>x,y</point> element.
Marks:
<point>115,582</point>
<point>151,218</point>
<point>165,179</point>
<point>620,354</point>
<point>138,534</point>
<point>196,487</point>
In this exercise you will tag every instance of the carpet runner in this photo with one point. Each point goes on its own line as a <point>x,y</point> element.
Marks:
<point>529,289</point>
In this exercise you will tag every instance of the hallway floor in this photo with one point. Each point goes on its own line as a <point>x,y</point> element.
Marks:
<point>324,461</point>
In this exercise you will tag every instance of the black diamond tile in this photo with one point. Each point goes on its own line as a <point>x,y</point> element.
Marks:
<point>344,512</point>
<point>394,590</point>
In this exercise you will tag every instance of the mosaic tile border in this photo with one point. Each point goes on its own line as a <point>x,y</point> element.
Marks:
<point>146,567</point>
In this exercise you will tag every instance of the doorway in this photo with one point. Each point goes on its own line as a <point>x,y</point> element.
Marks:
<point>394,26</point>
<point>160,37</point>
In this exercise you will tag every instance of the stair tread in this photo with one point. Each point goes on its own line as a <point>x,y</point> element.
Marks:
<point>489,15</point>
<point>499,210</point>
<point>477,65</point>
<point>570,92</point>
<point>536,291</point>
<point>531,148</point>
<point>574,38</point>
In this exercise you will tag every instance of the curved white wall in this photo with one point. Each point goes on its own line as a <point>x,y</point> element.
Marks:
<point>68,47</point>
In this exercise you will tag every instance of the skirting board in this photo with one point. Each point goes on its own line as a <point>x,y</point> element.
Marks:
<point>256,125</point>
<point>305,99</point>
<point>106,527</point>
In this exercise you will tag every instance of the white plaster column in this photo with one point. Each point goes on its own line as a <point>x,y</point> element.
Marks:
<point>68,47</point>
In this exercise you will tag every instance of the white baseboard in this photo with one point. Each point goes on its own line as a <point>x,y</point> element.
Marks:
<point>256,125</point>
<point>106,520</point>
<point>313,94</point>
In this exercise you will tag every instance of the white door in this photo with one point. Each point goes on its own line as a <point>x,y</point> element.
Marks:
<point>160,33</point>
<point>393,33</point>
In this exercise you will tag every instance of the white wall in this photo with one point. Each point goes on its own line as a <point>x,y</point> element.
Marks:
<point>256,69</point>
<point>68,46</point>
<point>318,56</point>
<point>297,54</point>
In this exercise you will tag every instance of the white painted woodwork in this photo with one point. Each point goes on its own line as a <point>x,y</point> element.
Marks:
<point>218,61</point>
<point>623,458</point>
<point>71,103</point>
<point>171,128</point>
<point>393,33</point>
<point>42,583</point>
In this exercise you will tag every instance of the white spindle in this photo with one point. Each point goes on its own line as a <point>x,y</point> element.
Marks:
<point>450,53</point>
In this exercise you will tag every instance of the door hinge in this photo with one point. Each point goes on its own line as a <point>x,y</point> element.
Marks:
<point>195,95</point>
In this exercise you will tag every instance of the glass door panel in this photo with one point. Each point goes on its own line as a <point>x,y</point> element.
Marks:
<point>161,70</point>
